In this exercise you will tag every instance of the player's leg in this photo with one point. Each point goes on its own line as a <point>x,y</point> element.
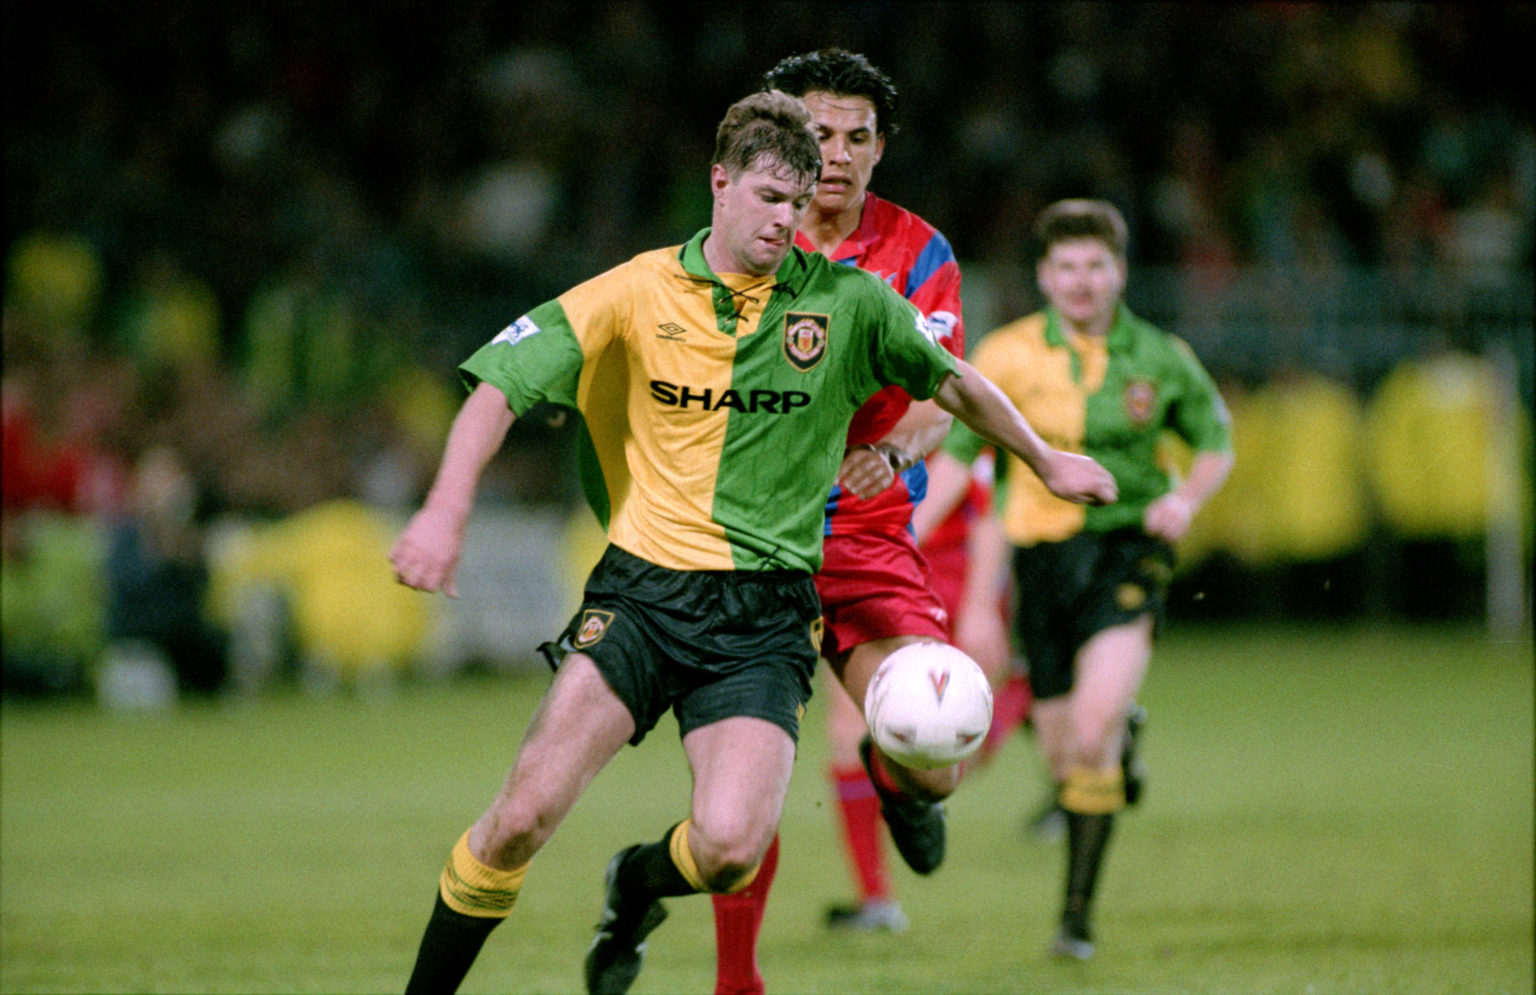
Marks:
<point>1110,668</point>
<point>577,729</point>
<point>741,769</point>
<point>739,727</point>
<point>855,673</point>
<point>877,594</point>
<point>910,799</point>
<point>858,812</point>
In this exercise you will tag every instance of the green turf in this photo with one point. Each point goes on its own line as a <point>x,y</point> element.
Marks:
<point>1329,811</point>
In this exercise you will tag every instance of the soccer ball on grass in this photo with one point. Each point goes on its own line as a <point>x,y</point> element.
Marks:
<point>928,705</point>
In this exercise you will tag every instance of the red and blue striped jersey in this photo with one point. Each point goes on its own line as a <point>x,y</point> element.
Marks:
<point>916,259</point>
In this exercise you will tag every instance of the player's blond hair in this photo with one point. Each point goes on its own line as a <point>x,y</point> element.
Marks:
<point>768,125</point>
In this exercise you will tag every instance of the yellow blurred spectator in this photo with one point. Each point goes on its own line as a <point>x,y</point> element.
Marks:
<point>1433,426</point>
<point>581,543</point>
<point>1296,493</point>
<point>56,278</point>
<point>171,318</point>
<point>350,621</point>
<point>423,407</point>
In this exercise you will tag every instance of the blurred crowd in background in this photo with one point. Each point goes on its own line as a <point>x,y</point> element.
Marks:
<point>247,245</point>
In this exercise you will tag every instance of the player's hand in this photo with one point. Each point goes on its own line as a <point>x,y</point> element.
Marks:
<point>1168,518</point>
<point>426,556</point>
<point>866,471</point>
<point>1079,479</point>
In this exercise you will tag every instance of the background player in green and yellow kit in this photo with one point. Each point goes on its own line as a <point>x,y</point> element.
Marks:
<point>716,381</point>
<point>1090,582</point>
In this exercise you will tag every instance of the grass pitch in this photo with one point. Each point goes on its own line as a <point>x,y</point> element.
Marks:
<point>1328,811</point>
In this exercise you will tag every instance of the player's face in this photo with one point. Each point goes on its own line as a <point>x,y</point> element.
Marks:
<point>1082,278</point>
<point>755,217</point>
<point>851,144</point>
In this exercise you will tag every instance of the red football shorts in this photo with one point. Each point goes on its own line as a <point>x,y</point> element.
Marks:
<point>876,586</point>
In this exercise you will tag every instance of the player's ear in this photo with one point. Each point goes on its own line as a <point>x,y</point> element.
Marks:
<point>719,179</point>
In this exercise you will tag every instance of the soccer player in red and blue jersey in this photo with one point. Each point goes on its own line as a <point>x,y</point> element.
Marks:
<point>874,584</point>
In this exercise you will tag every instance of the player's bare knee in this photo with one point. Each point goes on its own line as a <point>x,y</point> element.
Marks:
<point>723,867</point>
<point>726,855</point>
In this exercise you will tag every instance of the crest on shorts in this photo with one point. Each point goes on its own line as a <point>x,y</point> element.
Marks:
<point>1155,571</point>
<point>1140,400</point>
<point>594,626</point>
<point>1130,597</point>
<point>805,339</point>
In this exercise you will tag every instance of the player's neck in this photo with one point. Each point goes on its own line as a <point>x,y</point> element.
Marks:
<point>828,231</point>
<point>1096,328</point>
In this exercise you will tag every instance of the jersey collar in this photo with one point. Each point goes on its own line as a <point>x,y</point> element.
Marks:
<point>1118,340</point>
<point>791,275</point>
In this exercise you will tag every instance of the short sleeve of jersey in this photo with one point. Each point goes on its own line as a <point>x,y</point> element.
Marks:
<point>1200,417</point>
<point>906,351</point>
<point>539,357</point>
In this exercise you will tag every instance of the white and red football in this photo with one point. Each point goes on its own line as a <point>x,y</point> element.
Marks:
<point>929,705</point>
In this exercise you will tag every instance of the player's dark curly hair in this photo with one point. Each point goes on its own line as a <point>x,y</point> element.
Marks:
<point>770,125</point>
<point>841,72</point>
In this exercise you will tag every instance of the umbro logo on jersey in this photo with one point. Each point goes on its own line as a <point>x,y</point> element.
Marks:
<point>773,402</point>
<point>671,332</point>
<point>805,339</point>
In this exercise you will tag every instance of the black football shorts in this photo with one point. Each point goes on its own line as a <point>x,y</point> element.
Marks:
<point>709,644</point>
<point>1067,591</point>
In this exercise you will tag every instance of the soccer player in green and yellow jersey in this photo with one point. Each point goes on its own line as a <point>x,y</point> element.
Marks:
<point>1090,582</point>
<point>716,381</point>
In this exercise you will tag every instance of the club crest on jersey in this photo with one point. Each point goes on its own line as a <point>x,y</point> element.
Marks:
<point>805,339</point>
<point>594,626</point>
<point>1140,400</point>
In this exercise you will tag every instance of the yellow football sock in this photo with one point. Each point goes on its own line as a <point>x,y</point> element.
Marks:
<point>1093,792</point>
<point>472,888</point>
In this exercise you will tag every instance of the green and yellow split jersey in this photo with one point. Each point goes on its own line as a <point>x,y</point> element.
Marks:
<point>716,405</point>
<point>1111,398</point>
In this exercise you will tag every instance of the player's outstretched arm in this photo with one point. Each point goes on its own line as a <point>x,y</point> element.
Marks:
<point>979,403</point>
<point>426,556</point>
